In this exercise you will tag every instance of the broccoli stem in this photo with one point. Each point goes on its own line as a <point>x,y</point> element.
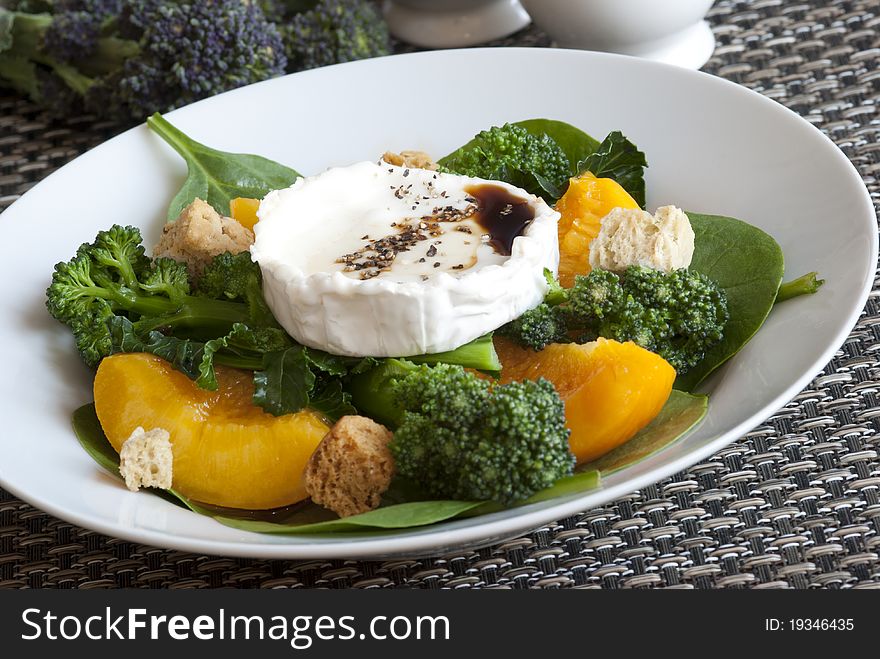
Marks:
<point>18,73</point>
<point>175,138</point>
<point>244,362</point>
<point>27,34</point>
<point>371,391</point>
<point>479,354</point>
<point>212,316</point>
<point>109,55</point>
<point>804,285</point>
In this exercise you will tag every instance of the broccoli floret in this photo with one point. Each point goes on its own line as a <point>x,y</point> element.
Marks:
<point>334,31</point>
<point>112,277</point>
<point>133,58</point>
<point>237,277</point>
<point>462,438</point>
<point>233,276</point>
<point>538,327</point>
<point>679,315</point>
<point>72,35</point>
<point>545,324</point>
<point>100,8</point>
<point>511,153</point>
<point>167,277</point>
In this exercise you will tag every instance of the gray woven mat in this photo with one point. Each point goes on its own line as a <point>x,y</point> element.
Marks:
<point>796,503</point>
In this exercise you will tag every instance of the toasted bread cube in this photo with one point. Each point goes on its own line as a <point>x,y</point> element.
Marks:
<point>199,234</point>
<point>146,459</point>
<point>352,466</point>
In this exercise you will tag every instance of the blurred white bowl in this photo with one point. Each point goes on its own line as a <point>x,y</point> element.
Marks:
<point>671,31</point>
<point>453,23</point>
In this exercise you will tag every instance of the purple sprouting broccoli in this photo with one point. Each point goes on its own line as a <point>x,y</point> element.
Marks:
<point>129,58</point>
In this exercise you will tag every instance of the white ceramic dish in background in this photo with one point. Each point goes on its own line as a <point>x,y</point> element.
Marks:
<point>453,23</point>
<point>713,146</point>
<point>672,32</point>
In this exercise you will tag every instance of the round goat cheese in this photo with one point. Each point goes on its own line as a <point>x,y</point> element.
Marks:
<point>385,261</point>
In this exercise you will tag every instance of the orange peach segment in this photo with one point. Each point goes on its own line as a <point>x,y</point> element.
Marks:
<point>227,451</point>
<point>244,211</point>
<point>611,390</point>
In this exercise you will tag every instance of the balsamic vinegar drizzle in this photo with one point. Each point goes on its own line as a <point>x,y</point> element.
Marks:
<point>503,215</point>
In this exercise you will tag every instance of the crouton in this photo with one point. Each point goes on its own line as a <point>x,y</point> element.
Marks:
<point>414,159</point>
<point>199,234</point>
<point>352,466</point>
<point>630,236</point>
<point>146,459</point>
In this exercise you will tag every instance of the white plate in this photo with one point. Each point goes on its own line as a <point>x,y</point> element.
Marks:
<point>713,146</point>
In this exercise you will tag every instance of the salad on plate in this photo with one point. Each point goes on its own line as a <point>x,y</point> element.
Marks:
<point>398,342</point>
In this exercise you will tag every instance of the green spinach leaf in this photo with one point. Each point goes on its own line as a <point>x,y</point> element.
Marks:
<point>218,176</point>
<point>329,364</point>
<point>621,160</point>
<point>398,516</point>
<point>330,399</point>
<point>583,481</point>
<point>91,437</point>
<point>681,413</point>
<point>748,264</point>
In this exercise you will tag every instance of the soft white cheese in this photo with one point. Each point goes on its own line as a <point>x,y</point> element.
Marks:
<point>386,261</point>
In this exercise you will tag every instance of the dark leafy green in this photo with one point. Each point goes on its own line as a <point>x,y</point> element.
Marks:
<point>621,160</point>
<point>187,356</point>
<point>681,413</point>
<point>331,399</point>
<point>218,176</point>
<point>284,384</point>
<point>301,377</point>
<point>804,285</point>
<point>748,265</point>
<point>285,378</point>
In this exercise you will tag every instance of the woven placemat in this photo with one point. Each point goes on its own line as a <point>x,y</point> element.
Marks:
<point>795,504</point>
